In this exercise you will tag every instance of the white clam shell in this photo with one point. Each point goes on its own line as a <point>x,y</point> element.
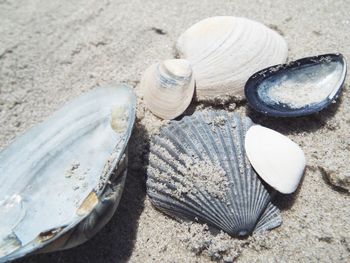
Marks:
<point>168,88</point>
<point>225,51</point>
<point>279,161</point>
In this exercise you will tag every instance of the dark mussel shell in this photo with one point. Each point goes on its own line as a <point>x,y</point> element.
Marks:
<point>298,88</point>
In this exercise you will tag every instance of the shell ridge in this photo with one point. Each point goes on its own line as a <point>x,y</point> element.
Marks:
<point>210,140</point>
<point>257,184</point>
<point>238,179</point>
<point>237,209</point>
<point>215,48</point>
<point>234,168</point>
<point>201,208</point>
<point>205,146</point>
<point>203,137</point>
<point>204,124</point>
<point>256,204</point>
<point>222,209</point>
<point>247,182</point>
<point>162,155</point>
<point>193,137</point>
<point>163,173</point>
<point>228,163</point>
<point>260,189</point>
<point>186,213</point>
<point>180,143</point>
<point>198,138</point>
<point>220,53</point>
<point>203,53</point>
<point>242,177</point>
<point>270,219</point>
<point>222,214</point>
<point>249,178</point>
<point>262,194</point>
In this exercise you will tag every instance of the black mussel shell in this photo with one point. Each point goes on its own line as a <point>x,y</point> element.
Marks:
<point>298,88</point>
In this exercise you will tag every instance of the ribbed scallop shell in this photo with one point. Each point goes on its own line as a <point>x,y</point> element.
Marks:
<point>198,170</point>
<point>61,181</point>
<point>167,88</point>
<point>225,51</point>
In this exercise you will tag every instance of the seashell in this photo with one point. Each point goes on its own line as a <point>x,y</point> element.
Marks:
<point>168,88</point>
<point>299,88</point>
<point>198,170</point>
<point>58,183</point>
<point>225,51</point>
<point>279,161</point>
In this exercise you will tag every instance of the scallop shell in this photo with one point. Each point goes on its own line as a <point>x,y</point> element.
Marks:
<point>279,161</point>
<point>168,88</point>
<point>225,51</point>
<point>58,183</point>
<point>298,88</point>
<point>198,170</point>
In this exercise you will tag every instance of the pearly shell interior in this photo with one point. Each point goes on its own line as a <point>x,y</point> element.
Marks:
<point>59,173</point>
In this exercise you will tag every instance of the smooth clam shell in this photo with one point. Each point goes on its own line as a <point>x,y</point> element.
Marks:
<point>168,88</point>
<point>279,161</point>
<point>198,170</point>
<point>57,185</point>
<point>225,51</point>
<point>298,88</point>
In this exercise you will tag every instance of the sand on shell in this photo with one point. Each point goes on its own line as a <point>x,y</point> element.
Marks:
<point>52,51</point>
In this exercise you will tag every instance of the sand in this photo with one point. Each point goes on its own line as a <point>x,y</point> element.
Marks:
<point>51,51</point>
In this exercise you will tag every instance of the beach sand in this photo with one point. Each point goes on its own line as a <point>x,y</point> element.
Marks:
<point>52,51</point>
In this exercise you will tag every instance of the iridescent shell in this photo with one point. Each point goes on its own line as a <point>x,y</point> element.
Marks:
<point>62,180</point>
